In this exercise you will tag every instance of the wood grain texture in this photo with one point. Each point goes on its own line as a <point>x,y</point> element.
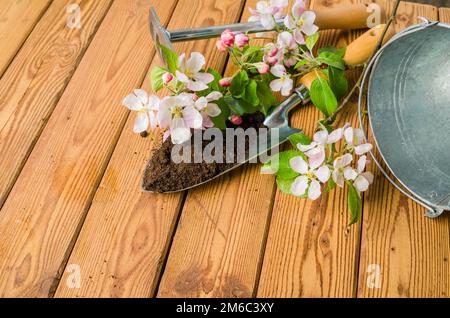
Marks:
<point>42,215</point>
<point>17,19</point>
<point>444,15</point>
<point>123,244</point>
<point>34,82</point>
<point>410,251</point>
<point>221,257</point>
<point>310,250</point>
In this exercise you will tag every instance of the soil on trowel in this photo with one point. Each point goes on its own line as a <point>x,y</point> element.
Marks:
<point>164,175</point>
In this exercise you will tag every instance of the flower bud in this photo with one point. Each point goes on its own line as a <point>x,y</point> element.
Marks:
<point>263,68</point>
<point>195,97</point>
<point>227,38</point>
<point>220,46</point>
<point>225,82</point>
<point>241,40</point>
<point>236,120</point>
<point>167,78</point>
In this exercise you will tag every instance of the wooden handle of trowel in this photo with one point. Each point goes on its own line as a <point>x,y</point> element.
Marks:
<point>357,52</point>
<point>348,16</point>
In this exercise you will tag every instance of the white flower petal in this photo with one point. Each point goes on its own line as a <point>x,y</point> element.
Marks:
<point>192,117</point>
<point>308,17</point>
<point>347,159</point>
<point>278,70</point>
<point>310,29</point>
<point>335,136</point>
<point>350,173</point>
<point>182,77</point>
<point>196,86</point>
<point>314,191</point>
<point>298,8</point>
<point>323,174</point>
<point>285,39</point>
<point>338,178</point>
<point>369,176</point>
<point>142,95</point>
<point>362,149</point>
<point>348,134</point>
<point>214,96</point>
<point>179,132</point>
<point>153,102</point>
<point>153,120</point>
<point>268,21</point>
<point>304,148</point>
<point>361,184</point>
<point>362,164</point>
<point>321,137</point>
<point>195,62</point>
<point>204,77</point>
<point>289,22</point>
<point>298,164</point>
<point>213,110</point>
<point>298,36</point>
<point>287,87</point>
<point>358,136</point>
<point>132,102</point>
<point>276,85</point>
<point>141,123</point>
<point>298,187</point>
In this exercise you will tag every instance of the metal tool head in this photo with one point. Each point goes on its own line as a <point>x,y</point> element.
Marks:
<point>159,34</point>
<point>409,112</point>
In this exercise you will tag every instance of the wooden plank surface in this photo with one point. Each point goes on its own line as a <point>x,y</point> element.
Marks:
<point>125,238</point>
<point>221,257</point>
<point>310,250</point>
<point>17,19</point>
<point>444,15</point>
<point>408,250</point>
<point>45,209</point>
<point>33,83</point>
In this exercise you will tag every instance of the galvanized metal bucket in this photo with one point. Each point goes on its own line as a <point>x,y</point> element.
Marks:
<point>408,106</point>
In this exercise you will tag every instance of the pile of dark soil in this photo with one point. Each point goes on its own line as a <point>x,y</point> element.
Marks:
<point>164,175</point>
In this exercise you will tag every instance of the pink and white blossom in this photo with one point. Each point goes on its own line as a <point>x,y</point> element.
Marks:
<point>356,141</point>
<point>207,108</point>
<point>267,11</point>
<point>309,180</point>
<point>146,107</point>
<point>262,68</point>
<point>342,170</point>
<point>301,22</point>
<point>167,78</point>
<point>241,40</point>
<point>227,38</point>
<point>363,179</point>
<point>284,83</point>
<point>220,46</point>
<point>288,47</point>
<point>190,72</point>
<point>178,115</point>
<point>315,151</point>
<point>271,54</point>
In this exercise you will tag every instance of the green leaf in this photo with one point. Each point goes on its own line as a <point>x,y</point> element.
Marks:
<point>251,95</point>
<point>214,85</point>
<point>171,58</point>
<point>312,40</point>
<point>220,120</point>
<point>266,98</point>
<point>239,106</point>
<point>354,203</point>
<point>332,49</point>
<point>338,82</point>
<point>331,59</point>
<point>285,184</point>
<point>238,84</point>
<point>330,185</point>
<point>252,54</point>
<point>299,138</point>
<point>322,96</point>
<point>156,78</point>
<point>300,63</point>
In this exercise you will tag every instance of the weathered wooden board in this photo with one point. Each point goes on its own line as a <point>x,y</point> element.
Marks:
<point>221,257</point>
<point>310,250</point>
<point>47,205</point>
<point>33,83</point>
<point>123,244</point>
<point>403,254</point>
<point>17,19</point>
